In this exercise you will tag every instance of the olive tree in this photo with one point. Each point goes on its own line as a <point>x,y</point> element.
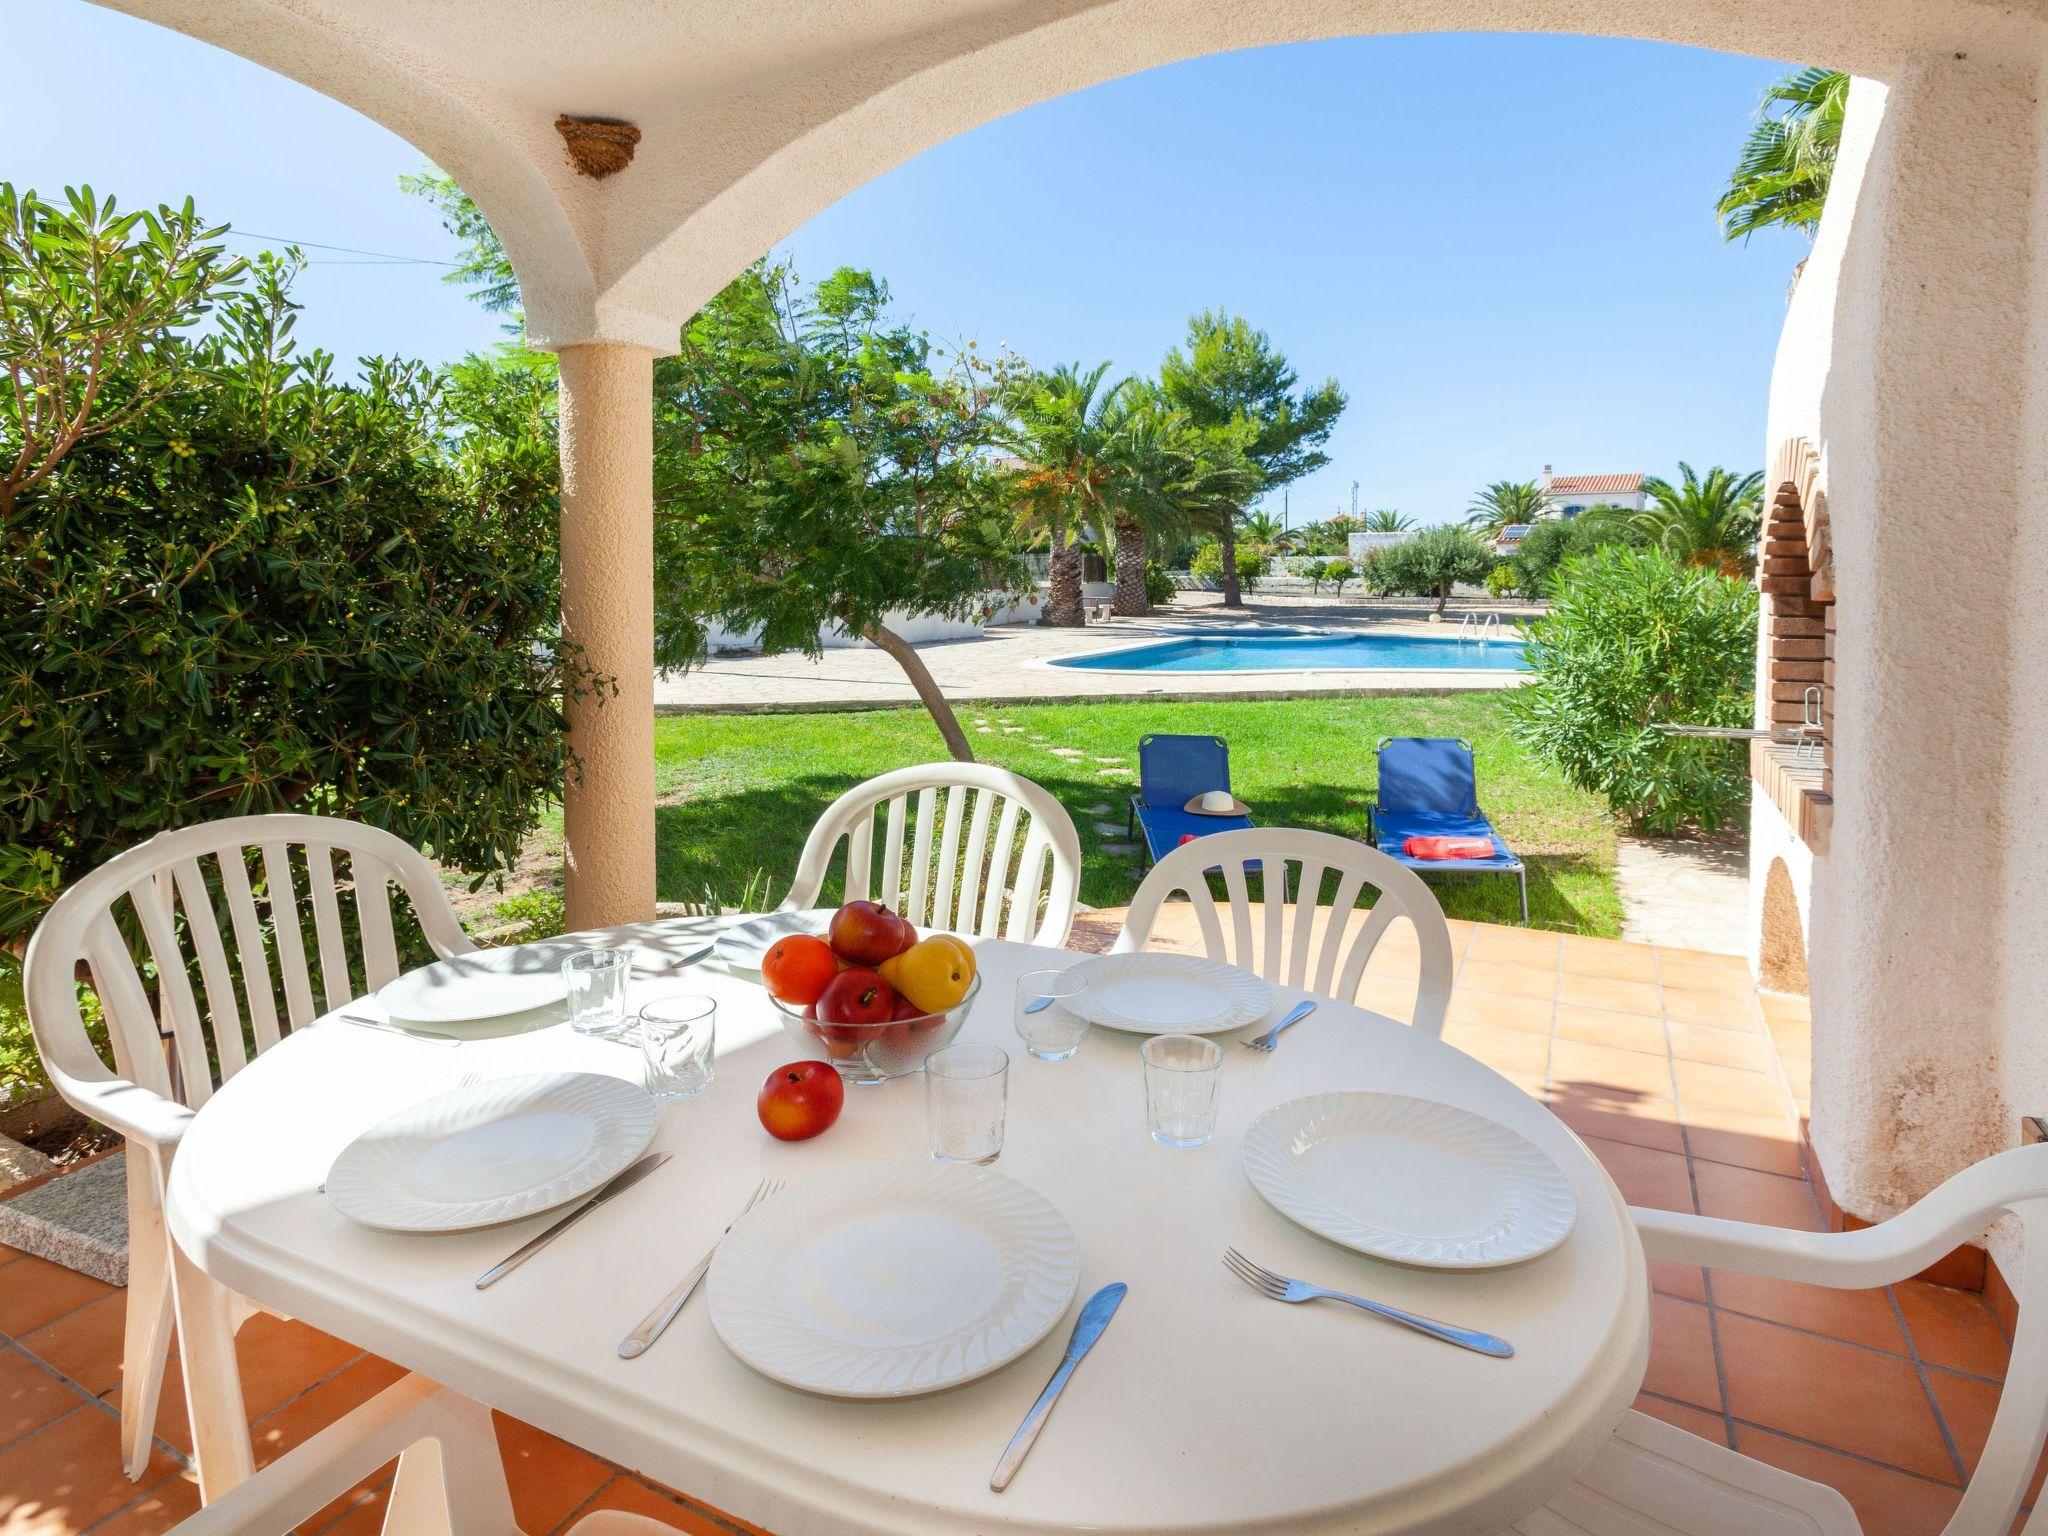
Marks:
<point>1432,562</point>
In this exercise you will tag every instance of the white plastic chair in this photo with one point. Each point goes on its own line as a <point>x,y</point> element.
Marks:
<point>167,1061</point>
<point>1298,950</point>
<point>1004,844</point>
<point>1655,1477</point>
<point>451,1480</point>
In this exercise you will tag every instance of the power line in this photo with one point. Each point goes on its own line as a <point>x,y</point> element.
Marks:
<point>382,258</point>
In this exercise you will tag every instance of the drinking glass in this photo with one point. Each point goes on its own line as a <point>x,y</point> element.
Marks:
<point>596,979</point>
<point>677,1035</point>
<point>966,1091</point>
<point>1182,1076</point>
<point>1046,1020</point>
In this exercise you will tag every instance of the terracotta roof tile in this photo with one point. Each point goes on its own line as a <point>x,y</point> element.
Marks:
<point>1592,485</point>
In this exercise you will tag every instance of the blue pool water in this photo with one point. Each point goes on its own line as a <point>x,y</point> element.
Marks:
<point>1308,652</point>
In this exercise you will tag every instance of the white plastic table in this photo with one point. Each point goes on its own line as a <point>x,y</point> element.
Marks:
<point>1205,1408</point>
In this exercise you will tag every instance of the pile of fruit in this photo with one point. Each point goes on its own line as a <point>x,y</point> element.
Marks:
<point>870,969</point>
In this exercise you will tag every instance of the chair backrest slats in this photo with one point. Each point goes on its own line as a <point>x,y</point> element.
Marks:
<point>247,923</point>
<point>202,927</point>
<point>173,888</point>
<point>1284,950</point>
<point>960,875</point>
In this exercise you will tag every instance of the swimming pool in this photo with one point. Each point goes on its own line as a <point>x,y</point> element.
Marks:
<point>1306,651</point>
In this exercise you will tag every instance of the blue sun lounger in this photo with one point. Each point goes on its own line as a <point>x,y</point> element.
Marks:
<point>1430,788</point>
<point>1172,770</point>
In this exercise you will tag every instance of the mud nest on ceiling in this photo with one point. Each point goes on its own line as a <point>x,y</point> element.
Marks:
<point>598,146</point>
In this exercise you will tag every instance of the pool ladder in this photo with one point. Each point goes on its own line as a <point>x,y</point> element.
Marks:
<point>1475,628</point>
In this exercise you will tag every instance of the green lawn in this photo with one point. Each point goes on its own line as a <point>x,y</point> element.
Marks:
<point>739,792</point>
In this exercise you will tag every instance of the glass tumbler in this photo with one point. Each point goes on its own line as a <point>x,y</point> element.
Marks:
<point>1045,1016</point>
<point>966,1095</point>
<point>1182,1076</point>
<point>596,979</point>
<point>677,1036</point>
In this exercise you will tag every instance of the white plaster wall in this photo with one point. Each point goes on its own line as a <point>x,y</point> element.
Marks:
<point>1905,359</point>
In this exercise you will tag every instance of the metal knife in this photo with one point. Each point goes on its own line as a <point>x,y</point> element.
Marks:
<point>1094,1318</point>
<point>672,966</point>
<point>619,1183</point>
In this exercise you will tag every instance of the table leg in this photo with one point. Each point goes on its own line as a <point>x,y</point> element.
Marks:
<point>453,1484</point>
<point>213,1382</point>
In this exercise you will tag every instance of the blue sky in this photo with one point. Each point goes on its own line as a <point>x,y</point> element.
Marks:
<point>1504,247</point>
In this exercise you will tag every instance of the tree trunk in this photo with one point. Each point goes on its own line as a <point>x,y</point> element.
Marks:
<point>1063,589</point>
<point>927,690</point>
<point>1232,597</point>
<point>1129,601</point>
<point>1443,596</point>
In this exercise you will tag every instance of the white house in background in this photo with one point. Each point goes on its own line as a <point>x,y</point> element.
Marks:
<point>1569,495</point>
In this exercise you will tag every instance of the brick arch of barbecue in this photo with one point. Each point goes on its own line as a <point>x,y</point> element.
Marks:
<point>1797,576</point>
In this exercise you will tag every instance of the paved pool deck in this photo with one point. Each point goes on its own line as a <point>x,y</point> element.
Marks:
<point>1006,665</point>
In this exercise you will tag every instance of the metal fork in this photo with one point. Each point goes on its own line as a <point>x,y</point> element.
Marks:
<point>641,1339</point>
<point>1295,1015</point>
<point>1282,1288</point>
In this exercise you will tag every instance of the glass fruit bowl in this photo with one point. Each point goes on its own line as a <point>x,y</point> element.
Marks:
<point>872,1053</point>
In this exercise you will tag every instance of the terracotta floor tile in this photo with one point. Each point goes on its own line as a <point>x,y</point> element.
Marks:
<point>1694,1421</point>
<point>1605,957</point>
<point>1720,1047</point>
<point>1499,1009</point>
<point>636,1497</point>
<point>1789,1006</point>
<point>1706,959</point>
<point>30,1396</point>
<point>1641,1118</point>
<point>1690,976</point>
<point>1835,1394</point>
<point>1887,1503</point>
<point>85,1345</point>
<point>1606,992</point>
<point>1859,1317</point>
<point>364,1515</point>
<point>1600,1026</point>
<point>1602,1066</point>
<point>1967,1407</point>
<point>67,1475</point>
<point>280,1359</point>
<point>1716,1008</point>
<point>312,1411</point>
<point>1673,1279</point>
<point>37,1292</point>
<point>9,1255</point>
<point>1743,1194</point>
<point>156,1511</point>
<point>1515,946</point>
<point>1513,980</point>
<point>1748,1141</point>
<point>1682,1354</point>
<point>550,1478</point>
<point>1953,1328</point>
<point>1505,1050</point>
<point>1393,996</point>
<point>1644,1175</point>
<point>1747,1093</point>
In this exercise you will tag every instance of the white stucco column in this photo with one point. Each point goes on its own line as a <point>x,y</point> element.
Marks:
<point>1911,357</point>
<point>607,447</point>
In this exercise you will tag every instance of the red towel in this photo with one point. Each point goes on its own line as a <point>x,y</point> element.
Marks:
<point>1448,847</point>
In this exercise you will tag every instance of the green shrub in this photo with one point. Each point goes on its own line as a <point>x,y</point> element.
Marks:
<point>1159,587</point>
<point>1633,637</point>
<point>1432,562</point>
<point>1336,572</point>
<point>257,587</point>
<point>1504,580</point>
<point>1547,545</point>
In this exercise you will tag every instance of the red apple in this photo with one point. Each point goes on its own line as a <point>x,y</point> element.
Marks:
<point>800,1101</point>
<point>858,996</point>
<point>867,933</point>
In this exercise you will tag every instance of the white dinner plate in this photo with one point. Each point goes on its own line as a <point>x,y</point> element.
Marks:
<point>484,984</point>
<point>742,945</point>
<point>1169,994</point>
<point>492,1151</point>
<point>893,1279</point>
<point>1409,1180</point>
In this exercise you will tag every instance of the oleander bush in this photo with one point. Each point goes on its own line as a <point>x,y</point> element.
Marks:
<point>1634,637</point>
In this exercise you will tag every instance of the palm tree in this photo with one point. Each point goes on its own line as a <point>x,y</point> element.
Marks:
<point>1167,478</point>
<point>1387,520</point>
<point>1266,530</point>
<point>1711,522</point>
<point>1789,158</point>
<point>1503,504</point>
<point>1064,426</point>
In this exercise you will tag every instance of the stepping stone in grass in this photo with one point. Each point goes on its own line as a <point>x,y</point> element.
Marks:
<point>1100,810</point>
<point>1109,759</point>
<point>1122,849</point>
<point>1110,828</point>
